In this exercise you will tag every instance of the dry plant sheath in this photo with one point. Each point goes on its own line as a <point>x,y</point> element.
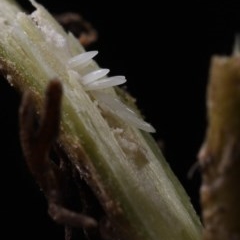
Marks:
<point>220,155</point>
<point>36,146</point>
<point>82,29</point>
<point>105,141</point>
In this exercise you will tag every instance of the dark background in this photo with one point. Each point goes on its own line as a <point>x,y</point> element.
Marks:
<point>164,52</point>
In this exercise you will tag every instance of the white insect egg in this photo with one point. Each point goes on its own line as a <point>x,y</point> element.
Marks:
<point>93,76</point>
<point>105,83</point>
<point>122,111</point>
<point>81,60</point>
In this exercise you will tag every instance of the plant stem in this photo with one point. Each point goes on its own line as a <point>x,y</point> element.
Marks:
<point>220,154</point>
<point>124,167</point>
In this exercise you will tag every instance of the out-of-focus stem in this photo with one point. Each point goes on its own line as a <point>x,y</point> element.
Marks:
<point>220,155</point>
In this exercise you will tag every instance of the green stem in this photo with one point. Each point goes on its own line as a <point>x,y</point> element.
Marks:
<point>121,163</point>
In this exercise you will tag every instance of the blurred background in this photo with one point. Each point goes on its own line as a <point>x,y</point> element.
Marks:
<point>165,53</point>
